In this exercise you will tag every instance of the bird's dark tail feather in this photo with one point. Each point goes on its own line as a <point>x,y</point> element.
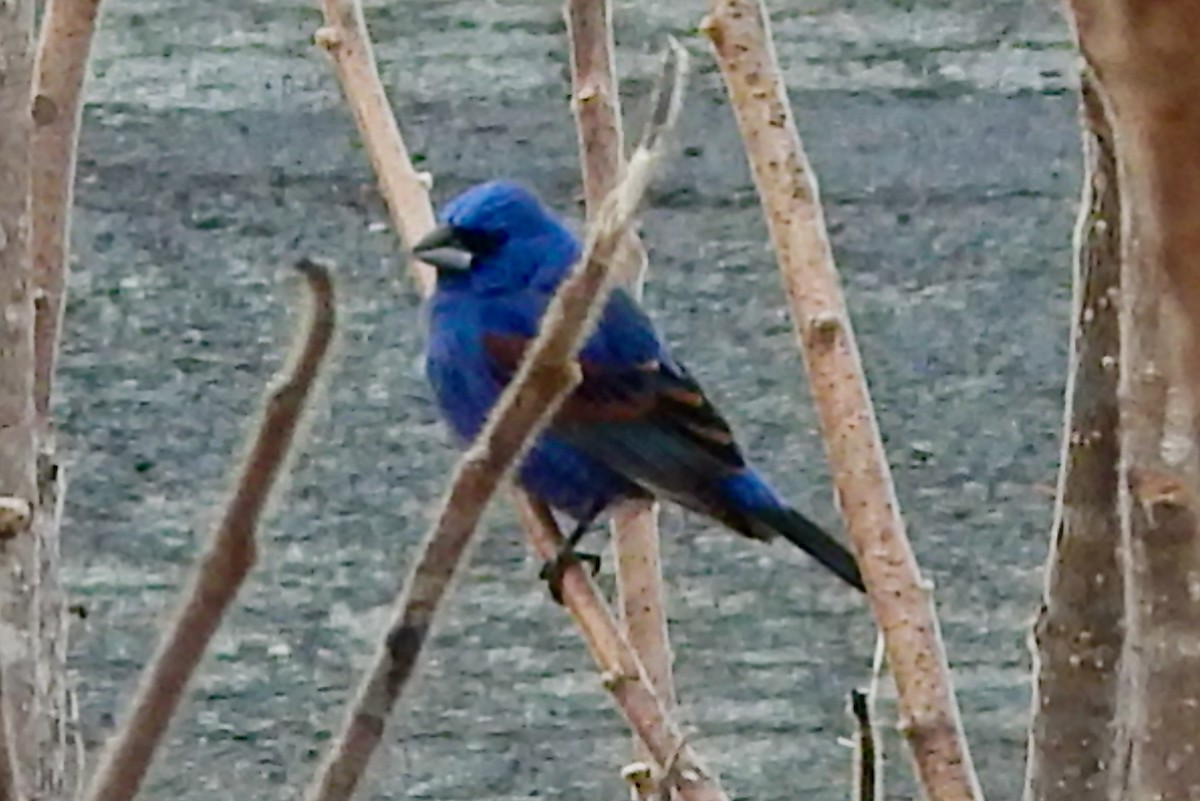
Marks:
<point>810,538</point>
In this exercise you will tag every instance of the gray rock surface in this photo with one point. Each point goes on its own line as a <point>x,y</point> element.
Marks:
<point>216,150</point>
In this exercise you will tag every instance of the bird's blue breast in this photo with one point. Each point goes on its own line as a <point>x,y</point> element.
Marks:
<point>466,388</point>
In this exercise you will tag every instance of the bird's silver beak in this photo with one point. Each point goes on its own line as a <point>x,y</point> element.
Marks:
<point>441,248</point>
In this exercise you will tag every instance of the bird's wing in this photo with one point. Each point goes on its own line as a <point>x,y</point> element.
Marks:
<point>636,409</point>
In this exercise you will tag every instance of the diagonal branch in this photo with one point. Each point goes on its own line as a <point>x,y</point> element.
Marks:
<point>899,597</point>
<point>404,190</point>
<point>230,556</point>
<point>547,374</point>
<point>623,675</point>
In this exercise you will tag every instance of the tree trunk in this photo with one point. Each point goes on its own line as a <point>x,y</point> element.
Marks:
<point>18,485</point>
<point>1148,66</point>
<point>1078,634</point>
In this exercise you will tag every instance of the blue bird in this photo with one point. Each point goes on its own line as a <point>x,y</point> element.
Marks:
<point>637,426</point>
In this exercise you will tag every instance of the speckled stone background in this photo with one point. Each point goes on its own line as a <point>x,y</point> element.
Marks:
<point>215,150</point>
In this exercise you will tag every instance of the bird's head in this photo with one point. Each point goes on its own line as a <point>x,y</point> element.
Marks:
<point>498,237</point>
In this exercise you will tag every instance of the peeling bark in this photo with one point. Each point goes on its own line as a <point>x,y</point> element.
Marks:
<point>1148,66</point>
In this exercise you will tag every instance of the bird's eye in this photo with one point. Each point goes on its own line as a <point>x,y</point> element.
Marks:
<point>481,243</point>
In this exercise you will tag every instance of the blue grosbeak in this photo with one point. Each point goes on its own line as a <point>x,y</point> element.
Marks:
<point>638,425</point>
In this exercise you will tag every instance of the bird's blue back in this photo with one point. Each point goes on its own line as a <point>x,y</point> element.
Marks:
<point>507,295</point>
<point>575,466</point>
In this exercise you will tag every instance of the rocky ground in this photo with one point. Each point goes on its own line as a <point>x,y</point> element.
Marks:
<point>216,150</point>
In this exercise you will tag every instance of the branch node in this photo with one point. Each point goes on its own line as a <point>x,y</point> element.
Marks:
<point>640,778</point>
<point>328,38</point>
<point>613,679</point>
<point>15,516</point>
<point>825,327</point>
<point>1157,490</point>
<point>44,110</point>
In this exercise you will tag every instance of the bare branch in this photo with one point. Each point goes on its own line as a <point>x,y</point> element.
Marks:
<point>9,780</point>
<point>899,597</point>
<point>548,372</point>
<point>59,71</point>
<point>405,191</point>
<point>58,775</point>
<point>622,673</point>
<point>230,556</point>
<point>640,592</point>
<point>595,101</point>
<point>18,451</point>
<point>1079,631</point>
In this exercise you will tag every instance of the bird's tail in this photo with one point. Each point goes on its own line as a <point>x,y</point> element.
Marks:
<point>765,523</point>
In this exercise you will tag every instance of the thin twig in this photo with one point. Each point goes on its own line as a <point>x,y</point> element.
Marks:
<point>900,599</point>
<point>621,672</point>
<point>866,748</point>
<point>230,556</point>
<point>404,190</point>
<point>547,374</point>
<point>595,101</point>
<point>635,536</point>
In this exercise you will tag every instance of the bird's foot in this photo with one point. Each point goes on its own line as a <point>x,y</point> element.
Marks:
<point>552,571</point>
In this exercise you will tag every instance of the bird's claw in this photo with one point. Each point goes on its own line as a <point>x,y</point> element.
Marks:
<point>552,571</point>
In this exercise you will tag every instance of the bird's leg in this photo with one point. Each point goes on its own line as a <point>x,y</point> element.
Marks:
<point>568,549</point>
<point>552,571</point>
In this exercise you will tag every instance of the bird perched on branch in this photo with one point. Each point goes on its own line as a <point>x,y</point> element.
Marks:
<point>637,426</point>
